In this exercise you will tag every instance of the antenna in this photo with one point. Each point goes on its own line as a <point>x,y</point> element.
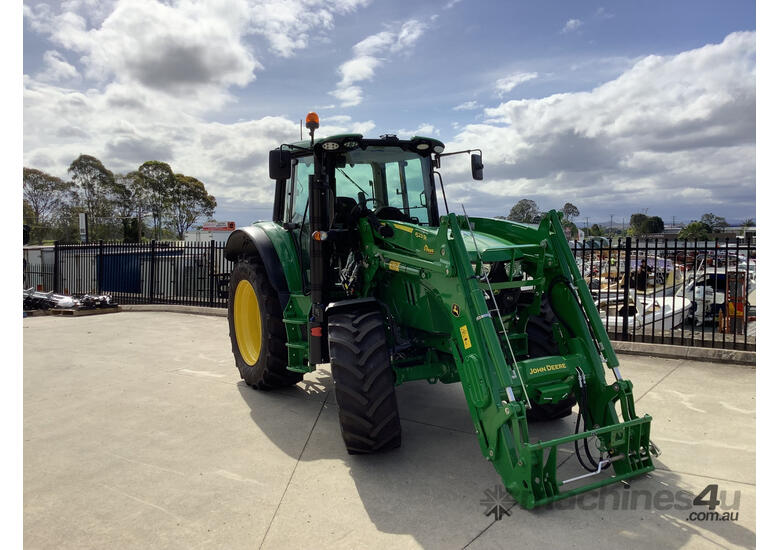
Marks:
<point>301,129</point>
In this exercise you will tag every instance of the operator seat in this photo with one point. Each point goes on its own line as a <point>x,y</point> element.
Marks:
<point>392,213</point>
<point>345,212</point>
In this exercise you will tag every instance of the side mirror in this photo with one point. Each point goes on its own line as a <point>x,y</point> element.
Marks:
<point>279,164</point>
<point>476,166</point>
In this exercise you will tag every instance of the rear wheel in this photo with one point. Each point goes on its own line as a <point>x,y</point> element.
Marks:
<point>257,333</point>
<point>541,343</point>
<point>364,382</point>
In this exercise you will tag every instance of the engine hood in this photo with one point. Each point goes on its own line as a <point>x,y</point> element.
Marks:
<point>484,241</point>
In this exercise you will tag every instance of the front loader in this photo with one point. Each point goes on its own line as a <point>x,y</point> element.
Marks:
<point>359,269</point>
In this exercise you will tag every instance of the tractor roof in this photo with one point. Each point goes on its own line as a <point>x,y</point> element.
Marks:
<point>410,144</point>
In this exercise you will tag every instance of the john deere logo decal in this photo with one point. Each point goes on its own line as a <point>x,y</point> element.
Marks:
<point>456,310</point>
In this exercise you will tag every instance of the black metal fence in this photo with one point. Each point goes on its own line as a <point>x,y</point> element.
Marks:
<point>674,291</point>
<point>658,291</point>
<point>39,276</point>
<point>187,273</point>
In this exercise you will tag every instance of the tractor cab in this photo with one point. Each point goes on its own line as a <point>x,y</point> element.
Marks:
<point>329,190</point>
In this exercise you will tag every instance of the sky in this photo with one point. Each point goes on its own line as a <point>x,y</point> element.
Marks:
<point>617,107</point>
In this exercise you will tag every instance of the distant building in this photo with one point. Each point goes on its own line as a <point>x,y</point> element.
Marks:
<point>216,231</point>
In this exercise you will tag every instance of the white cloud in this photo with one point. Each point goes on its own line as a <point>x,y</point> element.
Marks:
<point>467,106</point>
<point>368,57</point>
<point>509,83</point>
<point>571,25</point>
<point>410,32</point>
<point>357,69</point>
<point>424,129</point>
<point>288,24</point>
<point>349,96</point>
<point>665,126</point>
<point>56,68</point>
<point>195,50</point>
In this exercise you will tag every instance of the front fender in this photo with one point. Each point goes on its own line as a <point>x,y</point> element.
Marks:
<point>276,251</point>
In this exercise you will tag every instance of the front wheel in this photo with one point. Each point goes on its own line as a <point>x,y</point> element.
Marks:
<point>257,334</point>
<point>364,382</point>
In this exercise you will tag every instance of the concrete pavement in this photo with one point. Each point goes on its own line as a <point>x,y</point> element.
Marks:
<point>138,432</point>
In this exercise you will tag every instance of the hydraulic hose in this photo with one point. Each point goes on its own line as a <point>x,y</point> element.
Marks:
<point>583,406</point>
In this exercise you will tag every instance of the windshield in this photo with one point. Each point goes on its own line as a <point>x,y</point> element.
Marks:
<point>395,182</point>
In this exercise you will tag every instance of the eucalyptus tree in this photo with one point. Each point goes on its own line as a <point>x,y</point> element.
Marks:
<point>189,202</point>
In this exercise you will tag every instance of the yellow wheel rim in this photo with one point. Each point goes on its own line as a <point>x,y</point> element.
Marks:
<point>246,320</point>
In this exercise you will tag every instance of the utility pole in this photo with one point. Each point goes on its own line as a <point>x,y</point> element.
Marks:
<point>610,222</point>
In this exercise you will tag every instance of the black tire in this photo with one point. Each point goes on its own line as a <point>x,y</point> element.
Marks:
<point>269,370</point>
<point>364,382</point>
<point>541,343</point>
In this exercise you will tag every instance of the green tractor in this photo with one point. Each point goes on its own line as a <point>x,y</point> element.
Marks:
<point>359,269</point>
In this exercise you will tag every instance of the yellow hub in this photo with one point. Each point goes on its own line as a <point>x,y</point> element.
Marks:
<point>247,323</point>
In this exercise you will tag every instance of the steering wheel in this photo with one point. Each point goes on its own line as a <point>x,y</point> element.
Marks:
<point>392,213</point>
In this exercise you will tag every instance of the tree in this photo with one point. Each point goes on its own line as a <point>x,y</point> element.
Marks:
<point>133,204</point>
<point>595,230</point>
<point>94,183</point>
<point>570,229</point>
<point>524,211</point>
<point>695,230</point>
<point>28,216</point>
<point>44,194</point>
<point>715,224</point>
<point>748,222</point>
<point>158,182</point>
<point>653,224</point>
<point>65,226</point>
<point>570,211</point>
<point>636,223</point>
<point>189,201</point>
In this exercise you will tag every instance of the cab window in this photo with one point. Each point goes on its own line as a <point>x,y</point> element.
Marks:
<point>298,190</point>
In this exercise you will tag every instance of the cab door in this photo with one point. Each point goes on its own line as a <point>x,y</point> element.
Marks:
<point>297,212</point>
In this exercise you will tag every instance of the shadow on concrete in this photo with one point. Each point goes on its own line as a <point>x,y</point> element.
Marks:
<point>431,487</point>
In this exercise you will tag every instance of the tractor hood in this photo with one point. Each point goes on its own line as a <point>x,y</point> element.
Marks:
<point>496,234</point>
<point>484,241</point>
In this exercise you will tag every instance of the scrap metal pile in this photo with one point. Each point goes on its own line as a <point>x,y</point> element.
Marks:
<point>34,299</point>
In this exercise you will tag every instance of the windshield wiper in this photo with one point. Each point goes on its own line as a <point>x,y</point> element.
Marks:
<point>351,180</point>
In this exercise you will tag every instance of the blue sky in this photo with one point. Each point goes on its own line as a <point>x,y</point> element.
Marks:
<point>618,107</point>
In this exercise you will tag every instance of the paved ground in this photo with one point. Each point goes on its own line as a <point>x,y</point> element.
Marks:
<point>139,434</point>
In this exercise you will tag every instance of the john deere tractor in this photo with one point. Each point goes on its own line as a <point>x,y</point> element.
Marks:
<point>359,269</point>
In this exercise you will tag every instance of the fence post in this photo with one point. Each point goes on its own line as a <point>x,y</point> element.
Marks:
<point>211,273</point>
<point>151,271</point>
<point>56,267</point>
<point>627,279</point>
<point>99,267</point>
